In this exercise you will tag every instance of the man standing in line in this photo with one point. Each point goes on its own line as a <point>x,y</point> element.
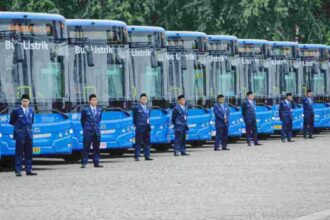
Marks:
<point>91,117</point>
<point>141,120</point>
<point>250,120</point>
<point>308,115</point>
<point>285,113</point>
<point>179,120</point>
<point>22,119</point>
<point>221,112</point>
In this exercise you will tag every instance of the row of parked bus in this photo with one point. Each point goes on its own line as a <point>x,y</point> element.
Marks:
<point>59,62</point>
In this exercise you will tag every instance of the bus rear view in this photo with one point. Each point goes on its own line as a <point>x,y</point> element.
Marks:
<point>33,52</point>
<point>98,64</point>
<point>188,75</point>
<point>222,61</point>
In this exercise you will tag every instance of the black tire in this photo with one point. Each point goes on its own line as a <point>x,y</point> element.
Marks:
<point>197,143</point>
<point>117,152</point>
<point>233,139</point>
<point>162,148</point>
<point>74,157</point>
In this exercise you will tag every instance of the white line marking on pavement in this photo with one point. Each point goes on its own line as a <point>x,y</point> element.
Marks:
<point>325,214</point>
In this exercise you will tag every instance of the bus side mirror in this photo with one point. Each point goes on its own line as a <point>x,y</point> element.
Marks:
<point>254,66</point>
<point>183,62</point>
<point>154,63</point>
<point>286,68</point>
<point>228,66</point>
<point>90,59</point>
<point>19,52</point>
<point>315,68</point>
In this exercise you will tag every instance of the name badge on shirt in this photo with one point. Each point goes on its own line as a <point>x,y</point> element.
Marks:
<point>185,117</point>
<point>148,121</point>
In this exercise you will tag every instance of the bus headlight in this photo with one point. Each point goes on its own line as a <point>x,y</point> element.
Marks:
<point>0,135</point>
<point>71,131</point>
<point>60,135</point>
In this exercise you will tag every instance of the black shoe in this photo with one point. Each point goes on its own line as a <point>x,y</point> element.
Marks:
<point>148,158</point>
<point>290,140</point>
<point>176,154</point>
<point>217,149</point>
<point>83,166</point>
<point>257,144</point>
<point>98,166</point>
<point>31,174</point>
<point>185,154</point>
<point>18,174</point>
<point>305,137</point>
<point>311,137</point>
<point>283,140</point>
<point>249,145</point>
<point>136,159</point>
<point>225,148</point>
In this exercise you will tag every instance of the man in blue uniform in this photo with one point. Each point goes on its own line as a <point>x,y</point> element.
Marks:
<point>221,112</point>
<point>141,120</point>
<point>179,120</point>
<point>249,116</point>
<point>22,119</point>
<point>308,114</point>
<point>285,113</point>
<point>91,117</point>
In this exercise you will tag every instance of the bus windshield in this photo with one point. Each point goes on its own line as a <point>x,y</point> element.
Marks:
<point>98,68</point>
<point>187,75</point>
<point>33,65</point>
<point>147,73</point>
<point>222,77</point>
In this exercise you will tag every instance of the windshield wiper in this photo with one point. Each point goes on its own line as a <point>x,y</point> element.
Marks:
<point>54,111</point>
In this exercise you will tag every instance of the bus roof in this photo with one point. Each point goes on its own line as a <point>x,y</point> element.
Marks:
<point>221,37</point>
<point>312,46</point>
<point>185,34</point>
<point>95,23</point>
<point>145,29</point>
<point>30,15</point>
<point>252,41</point>
<point>284,43</point>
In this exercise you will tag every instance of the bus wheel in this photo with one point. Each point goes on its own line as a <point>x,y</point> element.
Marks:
<point>197,143</point>
<point>74,157</point>
<point>233,139</point>
<point>117,152</point>
<point>162,148</point>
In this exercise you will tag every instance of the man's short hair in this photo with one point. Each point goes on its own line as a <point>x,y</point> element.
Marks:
<point>91,96</point>
<point>288,94</point>
<point>308,91</point>
<point>249,93</point>
<point>143,95</point>
<point>180,97</point>
<point>220,96</point>
<point>25,96</point>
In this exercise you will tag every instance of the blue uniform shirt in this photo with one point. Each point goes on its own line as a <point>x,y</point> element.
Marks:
<point>285,110</point>
<point>221,111</point>
<point>22,120</point>
<point>308,105</point>
<point>179,117</point>
<point>90,121</point>
<point>249,111</point>
<point>141,115</point>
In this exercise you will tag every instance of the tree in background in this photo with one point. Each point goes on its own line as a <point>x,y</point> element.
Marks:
<point>305,20</point>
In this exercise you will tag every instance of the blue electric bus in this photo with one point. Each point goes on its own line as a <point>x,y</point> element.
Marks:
<point>98,63</point>
<point>254,76</point>
<point>315,76</point>
<point>222,61</point>
<point>148,74</point>
<point>33,51</point>
<point>286,78</point>
<point>188,75</point>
